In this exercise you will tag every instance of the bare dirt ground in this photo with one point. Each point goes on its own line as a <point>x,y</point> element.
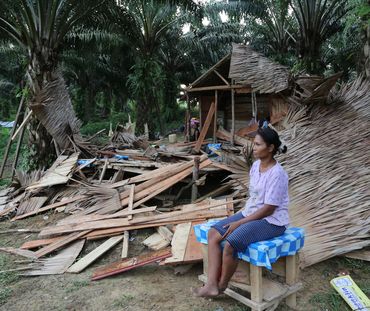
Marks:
<point>151,287</point>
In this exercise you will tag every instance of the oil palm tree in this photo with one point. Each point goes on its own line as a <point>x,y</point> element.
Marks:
<point>40,27</point>
<point>318,20</point>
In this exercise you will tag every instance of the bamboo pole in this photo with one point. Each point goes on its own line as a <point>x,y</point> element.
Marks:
<point>16,121</point>
<point>19,144</point>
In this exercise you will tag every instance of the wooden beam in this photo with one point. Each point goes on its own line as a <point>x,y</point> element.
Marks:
<point>130,263</point>
<point>205,128</point>
<point>221,77</point>
<point>215,87</point>
<point>232,116</point>
<point>215,119</point>
<point>24,123</point>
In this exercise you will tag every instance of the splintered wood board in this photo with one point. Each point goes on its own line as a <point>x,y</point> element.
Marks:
<point>156,242</point>
<point>87,260</point>
<point>59,263</point>
<point>130,263</point>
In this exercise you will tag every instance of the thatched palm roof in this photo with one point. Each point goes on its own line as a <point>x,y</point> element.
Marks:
<point>248,67</point>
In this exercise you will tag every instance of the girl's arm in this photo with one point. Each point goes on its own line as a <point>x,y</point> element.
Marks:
<point>262,212</point>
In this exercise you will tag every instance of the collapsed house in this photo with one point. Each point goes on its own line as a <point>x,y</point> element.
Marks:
<point>131,185</point>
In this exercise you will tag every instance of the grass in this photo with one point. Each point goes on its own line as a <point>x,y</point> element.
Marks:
<point>6,279</point>
<point>76,285</point>
<point>123,302</point>
<point>330,301</point>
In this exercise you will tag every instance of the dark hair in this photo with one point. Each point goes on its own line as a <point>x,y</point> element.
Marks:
<point>271,137</point>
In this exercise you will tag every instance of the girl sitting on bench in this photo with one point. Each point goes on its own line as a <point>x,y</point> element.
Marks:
<point>264,216</point>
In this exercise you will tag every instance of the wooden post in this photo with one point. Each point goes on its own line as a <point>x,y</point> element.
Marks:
<point>188,118</point>
<point>215,119</point>
<point>194,187</point>
<point>200,114</point>
<point>19,144</point>
<point>256,283</point>
<point>291,278</point>
<point>16,121</point>
<point>232,115</point>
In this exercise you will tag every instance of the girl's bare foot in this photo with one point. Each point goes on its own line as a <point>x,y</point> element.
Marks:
<point>206,291</point>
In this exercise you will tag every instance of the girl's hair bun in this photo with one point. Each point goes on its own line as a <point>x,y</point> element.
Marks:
<point>283,148</point>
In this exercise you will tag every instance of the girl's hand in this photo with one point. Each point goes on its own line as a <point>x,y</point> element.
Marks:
<point>230,228</point>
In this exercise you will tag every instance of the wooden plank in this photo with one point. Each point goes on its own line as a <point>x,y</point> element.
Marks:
<point>179,242</point>
<point>130,263</point>
<point>38,243</point>
<point>197,212</point>
<point>60,243</point>
<point>151,192</point>
<point>126,239</point>
<point>87,260</point>
<point>77,219</point>
<point>193,251</point>
<point>205,128</point>
<point>59,263</point>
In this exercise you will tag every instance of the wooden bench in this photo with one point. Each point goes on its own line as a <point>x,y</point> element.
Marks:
<point>249,286</point>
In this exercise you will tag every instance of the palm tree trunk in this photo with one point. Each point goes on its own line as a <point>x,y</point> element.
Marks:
<point>40,154</point>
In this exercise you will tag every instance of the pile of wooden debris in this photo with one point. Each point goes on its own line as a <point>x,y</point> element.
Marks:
<point>121,190</point>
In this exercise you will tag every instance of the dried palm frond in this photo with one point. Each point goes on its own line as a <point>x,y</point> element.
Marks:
<point>249,67</point>
<point>99,200</point>
<point>23,180</point>
<point>329,168</point>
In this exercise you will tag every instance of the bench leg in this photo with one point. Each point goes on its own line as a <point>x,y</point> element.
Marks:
<point>256,284</point>
<point>292,278</point>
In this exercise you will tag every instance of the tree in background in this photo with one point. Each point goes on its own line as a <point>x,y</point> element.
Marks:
<point>318,20</point>
<point>40,27</point>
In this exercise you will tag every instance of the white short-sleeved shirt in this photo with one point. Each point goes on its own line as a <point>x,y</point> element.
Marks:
<point>269,187</point>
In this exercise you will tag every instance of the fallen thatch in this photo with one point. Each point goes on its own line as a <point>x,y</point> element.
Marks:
<point>329,168</point>
<point>252,68</point>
